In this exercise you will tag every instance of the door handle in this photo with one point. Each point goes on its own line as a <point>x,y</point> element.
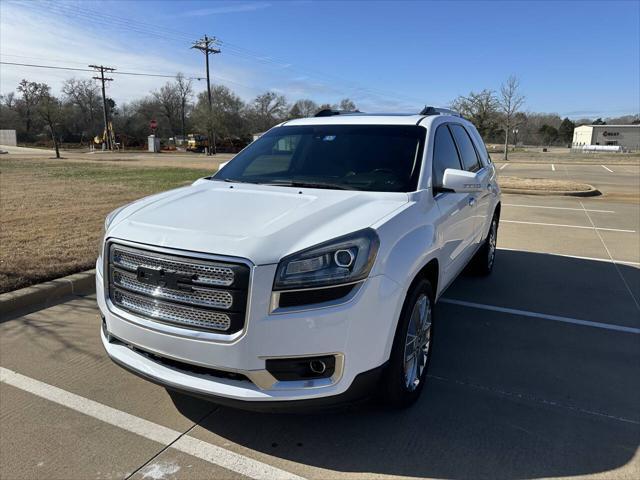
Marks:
<point>472,201</point>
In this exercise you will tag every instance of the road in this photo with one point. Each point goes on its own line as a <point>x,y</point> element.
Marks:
<point>535,374</point>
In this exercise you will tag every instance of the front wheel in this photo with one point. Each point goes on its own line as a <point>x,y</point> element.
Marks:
<point>411,352</point>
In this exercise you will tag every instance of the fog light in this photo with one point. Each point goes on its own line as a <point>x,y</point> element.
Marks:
<point>301,368</point>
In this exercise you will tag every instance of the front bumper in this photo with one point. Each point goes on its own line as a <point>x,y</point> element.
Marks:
<point>359,333</point>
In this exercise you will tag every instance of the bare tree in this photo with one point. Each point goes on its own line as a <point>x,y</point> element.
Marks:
<point>184,90</point>
<point>267,109</point>
<point>510,103</point>
<point>347,105</point>
<point>303,108</point>
<point>85,95</point>
<point>9,100</point>
<point>481,109</point>
<point>169,101</point>
<point>30,94</point>
<point>50,108</point>
<point>228,113</point>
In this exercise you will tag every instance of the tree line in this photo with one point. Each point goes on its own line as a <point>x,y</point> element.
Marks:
<point>499,118</point>
<point>76,115</point>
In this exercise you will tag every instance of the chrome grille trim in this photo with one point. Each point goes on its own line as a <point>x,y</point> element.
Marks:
<point>173,313</point>
<point>203,297</point>
<point>206,273</point>
<point>166,291</point>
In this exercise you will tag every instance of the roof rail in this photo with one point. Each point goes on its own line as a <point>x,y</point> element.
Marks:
<point>329,112</point>
<point>439,111</point>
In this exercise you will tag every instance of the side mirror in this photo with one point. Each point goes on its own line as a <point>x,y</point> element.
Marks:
<point>222,165</point>
<point>461,181</point>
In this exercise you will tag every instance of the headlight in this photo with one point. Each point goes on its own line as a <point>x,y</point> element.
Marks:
<point>342,260</point>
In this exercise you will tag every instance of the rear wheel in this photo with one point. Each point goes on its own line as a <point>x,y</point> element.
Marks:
<point>485,256</point>
<point>411,352</point>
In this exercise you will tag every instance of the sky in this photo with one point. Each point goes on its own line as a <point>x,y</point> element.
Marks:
<point>575,58</point>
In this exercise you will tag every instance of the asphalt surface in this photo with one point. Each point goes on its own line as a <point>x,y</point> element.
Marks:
<point>535,374</point>
<point>616,181</point>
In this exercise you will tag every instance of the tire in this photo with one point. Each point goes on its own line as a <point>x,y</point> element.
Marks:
<point>484,259</point>
<point>404,380</point>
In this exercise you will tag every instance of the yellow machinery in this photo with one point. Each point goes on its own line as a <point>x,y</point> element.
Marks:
<point>106,135</point>
<point>197,142</point>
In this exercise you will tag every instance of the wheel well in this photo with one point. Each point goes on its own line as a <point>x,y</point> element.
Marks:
<point>431,272</point>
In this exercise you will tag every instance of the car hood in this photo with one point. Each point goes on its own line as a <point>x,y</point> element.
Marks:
<point>257,222</point>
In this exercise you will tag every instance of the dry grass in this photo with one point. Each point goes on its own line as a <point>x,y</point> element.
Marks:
<point>52,211</point>
<point>543,184</point>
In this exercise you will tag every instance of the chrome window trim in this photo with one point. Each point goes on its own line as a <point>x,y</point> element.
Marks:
<point>166,328</point>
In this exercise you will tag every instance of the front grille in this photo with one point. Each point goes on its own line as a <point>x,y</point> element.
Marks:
<point>187,292</point>
<point>205,297</point>
<point>208,274</point>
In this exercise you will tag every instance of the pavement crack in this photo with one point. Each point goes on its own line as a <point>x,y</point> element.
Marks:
<point>166,447</point>
<point>532,398</point>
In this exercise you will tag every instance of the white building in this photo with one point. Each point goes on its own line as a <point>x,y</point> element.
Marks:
<point>8,137</point>
<point>627,137</point>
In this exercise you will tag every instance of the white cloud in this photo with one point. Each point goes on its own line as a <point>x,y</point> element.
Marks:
<point>27,36</point>
<point>232,8</point>
<point>30,33</point>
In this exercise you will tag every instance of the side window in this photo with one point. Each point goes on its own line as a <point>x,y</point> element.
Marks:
<point>445,155</point>
<point>481,148</point>
<point>465,146</point>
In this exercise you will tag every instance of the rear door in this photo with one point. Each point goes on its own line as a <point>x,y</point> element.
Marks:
<point>456,227</point>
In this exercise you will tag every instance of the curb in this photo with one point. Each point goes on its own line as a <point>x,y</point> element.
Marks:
<point>47,293</point>
<point>593,192</point>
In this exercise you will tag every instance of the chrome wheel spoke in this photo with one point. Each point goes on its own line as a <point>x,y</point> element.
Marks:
<point>417,342</point>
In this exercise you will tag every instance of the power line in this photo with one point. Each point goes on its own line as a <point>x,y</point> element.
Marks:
<point>140,74</point>
<point>232,49</point>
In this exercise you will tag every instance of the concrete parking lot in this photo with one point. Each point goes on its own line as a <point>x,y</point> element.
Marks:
<point>535,374</point>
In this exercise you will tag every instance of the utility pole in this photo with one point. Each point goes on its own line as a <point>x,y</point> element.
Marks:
<point>102,69</point>
<point>206,46</point>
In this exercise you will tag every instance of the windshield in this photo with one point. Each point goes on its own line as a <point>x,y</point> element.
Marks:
<point>382,158</point>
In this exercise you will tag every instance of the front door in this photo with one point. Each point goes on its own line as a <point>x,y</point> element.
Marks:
<point>456,229</point>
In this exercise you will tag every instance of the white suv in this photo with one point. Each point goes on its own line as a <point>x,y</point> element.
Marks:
<point>305,270</point>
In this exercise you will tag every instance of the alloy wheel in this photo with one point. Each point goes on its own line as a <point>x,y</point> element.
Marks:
<point>417,342</point>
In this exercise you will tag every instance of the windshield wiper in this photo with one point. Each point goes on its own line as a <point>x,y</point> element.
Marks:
<point>235,180</point>
<point>296,183</point>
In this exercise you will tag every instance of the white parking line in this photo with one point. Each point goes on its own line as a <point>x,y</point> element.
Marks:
<point>607,260</point>
<point>569,226</point>
<point>553,167</point>
<point>607,169</point>
<point>504,166</point>
<point>544,316</point>
<point>555,208</point>
<point>211,453</point>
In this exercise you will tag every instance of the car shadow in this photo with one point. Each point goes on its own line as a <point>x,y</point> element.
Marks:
<point>508,395</point>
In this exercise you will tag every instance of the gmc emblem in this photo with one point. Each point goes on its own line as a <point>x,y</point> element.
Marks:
<point>159,277</point>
